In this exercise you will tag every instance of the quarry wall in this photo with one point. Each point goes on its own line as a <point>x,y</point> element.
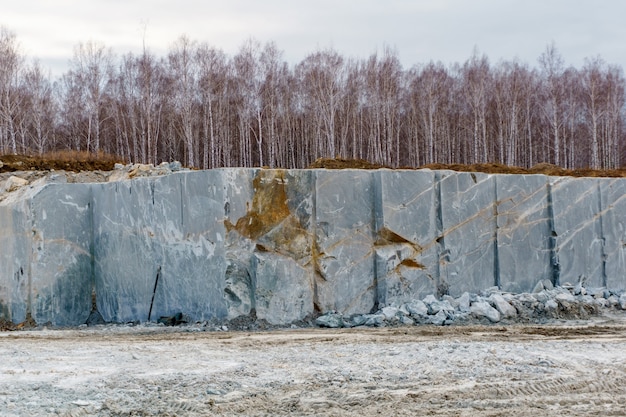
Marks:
<point>288,243</point>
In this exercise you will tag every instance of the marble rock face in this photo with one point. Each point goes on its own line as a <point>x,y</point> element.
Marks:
<point>238,290</point>
<point>406,248</point>
<point>344,241</point>
<point>283,290</point>
<point>577,230</point>
<point>468,219</point>
<point>285,244</point>
<point>125,263</point>
<point>613,225</point>
<point>45,261</point>
<point>188,245</point>
<point>62,269</point>
<point>160,247</point>
<point>523,233</point>
<point>270,248</point>
<point>15,250</point>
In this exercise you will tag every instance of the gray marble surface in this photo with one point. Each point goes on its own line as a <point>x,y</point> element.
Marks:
<point>287,243</point>
<point>406,245</point>
<point>468,231</point>
<point>523,231</point>
<point>577,230</point>
<point>344,241</point>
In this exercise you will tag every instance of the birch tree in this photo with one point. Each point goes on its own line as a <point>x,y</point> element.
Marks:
<point>41,110</point>
<point>212,82</point>
<point>91,67</point>
<point>551,64</point>
<point>11,63</point>
<point>476,79</point>
<point>183,73</point>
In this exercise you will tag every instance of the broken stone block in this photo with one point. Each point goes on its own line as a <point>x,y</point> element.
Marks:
<point>330,320</point>
<point>283,289</point>
<point>483,309</point>
<point>468,236</point>
<point>344,240</point>
<point>523,233</point>
<point>399,277</point>
<point>505,309</point>
<point>417,308</point>
<point>14,183</point>
<point>238,189</point>
<point>277,224</point>
<point>577,230</point>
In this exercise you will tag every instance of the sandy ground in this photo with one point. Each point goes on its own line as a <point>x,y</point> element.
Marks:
<point>566,368</point>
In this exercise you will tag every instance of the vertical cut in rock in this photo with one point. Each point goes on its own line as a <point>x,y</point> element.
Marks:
<point>156,284</point>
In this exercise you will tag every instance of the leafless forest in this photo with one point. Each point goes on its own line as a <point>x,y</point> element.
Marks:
<point>208,109</point>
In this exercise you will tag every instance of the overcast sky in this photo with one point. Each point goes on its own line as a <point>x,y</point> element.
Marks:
<point>420,30</point>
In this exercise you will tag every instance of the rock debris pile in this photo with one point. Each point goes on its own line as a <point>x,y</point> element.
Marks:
<point>16,180</point>
<point>490,306</point>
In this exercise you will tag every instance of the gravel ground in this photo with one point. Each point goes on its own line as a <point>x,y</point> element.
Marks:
<point>563,368</point>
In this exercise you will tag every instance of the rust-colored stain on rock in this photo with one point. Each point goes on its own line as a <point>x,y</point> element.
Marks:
<point>269,205</point>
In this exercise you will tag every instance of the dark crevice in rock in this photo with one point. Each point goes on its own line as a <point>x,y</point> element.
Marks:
<point>602,238</point>
<point>442,253</point>
<point>156,283</point>
<point>496,257</point>
<point>552,240</point>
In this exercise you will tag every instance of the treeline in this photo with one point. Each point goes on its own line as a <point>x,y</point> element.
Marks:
<point>208,109</point>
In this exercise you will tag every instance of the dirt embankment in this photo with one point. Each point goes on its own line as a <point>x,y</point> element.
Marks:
<point>83,161</point>
<point>62,161</point>
<point>488,168</point>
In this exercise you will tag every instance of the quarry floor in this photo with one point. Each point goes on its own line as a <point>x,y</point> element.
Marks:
<point>571,368</point>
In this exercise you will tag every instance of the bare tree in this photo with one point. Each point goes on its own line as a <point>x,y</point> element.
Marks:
<point>551,64</point>
<point>322,79</point>
<point>246,86</point>
<point>431,87</point>
<point>594,96</point>
<point>213,71</point>
<point>476,88</point>
<point>614,121</point>
<point>207,109</point>
<point>91,69</point>
<point>271,67</point>
<point>183,74</point>
<point>11,63</point>
<point>41,108</point>
<point>509,89</point>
